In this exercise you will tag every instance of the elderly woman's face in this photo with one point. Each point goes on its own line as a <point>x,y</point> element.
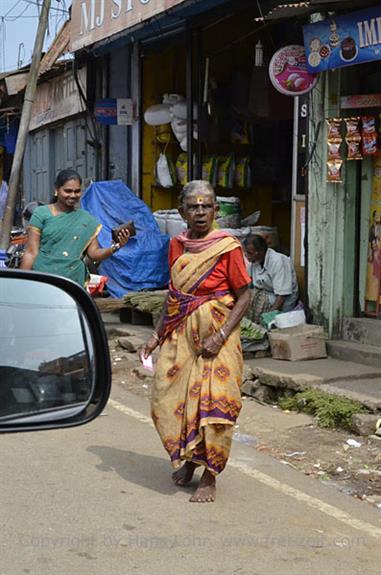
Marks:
<point>254,255</point>
<point>199,212</point>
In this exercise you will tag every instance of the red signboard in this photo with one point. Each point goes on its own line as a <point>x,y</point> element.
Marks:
<point>360,101</point>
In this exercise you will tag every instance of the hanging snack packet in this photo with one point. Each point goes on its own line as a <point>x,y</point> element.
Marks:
<point>242,172</point>
<point>368,124</point>
<point>225,176</point>
<point>369,135</point>
<point>353,130</point>
<point>334,150</point>
<point>334,129</point>
<point>369,144</point>
<point>334,171</point>
<point>354,151</point>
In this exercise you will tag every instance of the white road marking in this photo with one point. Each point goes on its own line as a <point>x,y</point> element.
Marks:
<point>269,481</point>
<point>131,412</point>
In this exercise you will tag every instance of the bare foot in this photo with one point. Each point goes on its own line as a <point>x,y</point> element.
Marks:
<point>206,490</point>
<point>184,475</point>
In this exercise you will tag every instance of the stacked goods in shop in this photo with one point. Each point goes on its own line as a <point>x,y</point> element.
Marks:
<point>229,215</point>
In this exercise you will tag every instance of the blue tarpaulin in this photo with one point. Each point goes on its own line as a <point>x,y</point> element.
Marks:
<point>143,262</point>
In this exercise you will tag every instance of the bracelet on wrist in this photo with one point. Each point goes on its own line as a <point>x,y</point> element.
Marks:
<point>223,334</point>
<point>114,247</point>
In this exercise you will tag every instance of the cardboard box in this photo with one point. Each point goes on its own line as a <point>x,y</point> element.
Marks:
<point>299,342</point>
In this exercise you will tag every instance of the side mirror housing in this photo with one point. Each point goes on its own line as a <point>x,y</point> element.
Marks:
<point>54,359</point>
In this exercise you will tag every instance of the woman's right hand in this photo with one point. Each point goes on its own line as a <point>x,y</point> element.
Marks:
<point>148,347</point>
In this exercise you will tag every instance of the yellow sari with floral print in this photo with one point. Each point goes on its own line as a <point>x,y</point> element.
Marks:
<point>196,400</point>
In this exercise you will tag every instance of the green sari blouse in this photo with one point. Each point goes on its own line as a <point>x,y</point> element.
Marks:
<point>64,239</point>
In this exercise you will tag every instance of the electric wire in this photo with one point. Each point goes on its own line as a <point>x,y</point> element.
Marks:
<point>35,3</point>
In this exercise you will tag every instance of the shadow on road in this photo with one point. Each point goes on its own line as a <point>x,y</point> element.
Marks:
<point>145,470</point>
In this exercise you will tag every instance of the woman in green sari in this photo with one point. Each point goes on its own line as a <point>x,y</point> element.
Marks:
<point>59,235</point>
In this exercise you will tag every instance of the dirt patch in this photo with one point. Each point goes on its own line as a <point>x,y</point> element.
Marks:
<point>321,453</point>
<point>294,439</point>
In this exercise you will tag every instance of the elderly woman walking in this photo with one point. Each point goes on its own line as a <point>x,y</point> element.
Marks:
<point>196,396</point>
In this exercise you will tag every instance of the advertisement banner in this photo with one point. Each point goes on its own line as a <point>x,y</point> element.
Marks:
<point>343,40</point>
<point>288,71</point>
<point>106,111</point>
<point>373,282</point>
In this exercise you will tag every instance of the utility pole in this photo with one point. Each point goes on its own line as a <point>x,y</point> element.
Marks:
<point>14,179</point>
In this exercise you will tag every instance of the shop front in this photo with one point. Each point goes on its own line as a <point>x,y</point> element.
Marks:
<point>203,107</point>
<point>345,173</point>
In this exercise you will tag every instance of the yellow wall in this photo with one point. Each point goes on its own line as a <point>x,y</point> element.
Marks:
<point>163,72</point>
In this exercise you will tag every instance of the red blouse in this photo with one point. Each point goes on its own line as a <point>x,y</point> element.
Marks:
<point>229,273</point>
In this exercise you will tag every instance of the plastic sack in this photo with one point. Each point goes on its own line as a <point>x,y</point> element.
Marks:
<point>290,319</point>
<point>143,262</point>
<point>157,115</point>
<point>226,171</point>
<point>172,99</point>
<point>165,172</point>
<point>180,110</point>
<point>268,317</point>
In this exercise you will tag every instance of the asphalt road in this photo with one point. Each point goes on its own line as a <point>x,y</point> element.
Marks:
<point>99,500</point>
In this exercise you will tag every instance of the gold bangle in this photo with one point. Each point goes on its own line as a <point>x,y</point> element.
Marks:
<point>223,334</point>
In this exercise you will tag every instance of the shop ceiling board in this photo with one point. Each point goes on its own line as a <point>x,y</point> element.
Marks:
<point>94,20</point>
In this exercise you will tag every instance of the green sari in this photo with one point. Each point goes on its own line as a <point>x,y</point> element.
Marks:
<point>64,239</point>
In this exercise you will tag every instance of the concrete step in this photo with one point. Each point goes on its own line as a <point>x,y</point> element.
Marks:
<point>365,391</point>
<point>362,330</point>
<point>355,352</point>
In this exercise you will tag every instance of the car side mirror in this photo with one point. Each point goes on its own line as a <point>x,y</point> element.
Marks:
<point>54,358</point>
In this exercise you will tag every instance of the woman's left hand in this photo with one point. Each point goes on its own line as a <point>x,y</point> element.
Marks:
<point>123,237</point>
<point>211,346</point>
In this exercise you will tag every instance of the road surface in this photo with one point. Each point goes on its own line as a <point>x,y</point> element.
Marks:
<point>98,499</point>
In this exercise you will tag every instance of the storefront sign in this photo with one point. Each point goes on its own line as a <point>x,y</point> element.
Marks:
<point>344,40</point>
<point>112,111</point>
<point>124,112</point>
<point>106,111</point>
<point>94,20</point>
<point>59,98</point>
<point>288,71</point>
<point>360,101</point>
